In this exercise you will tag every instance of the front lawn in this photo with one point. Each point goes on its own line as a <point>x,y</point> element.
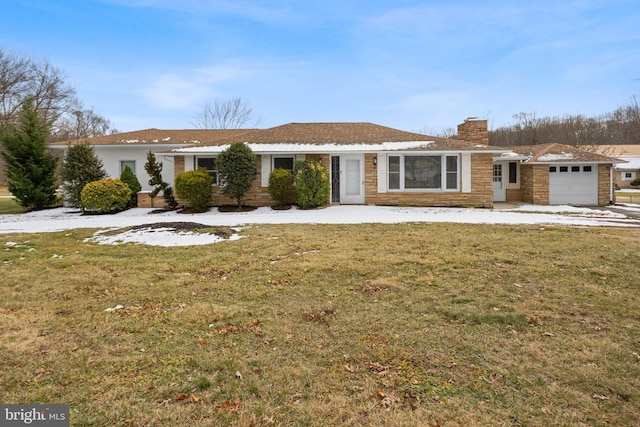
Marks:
<point>410,324</point>
<point>8,205</point>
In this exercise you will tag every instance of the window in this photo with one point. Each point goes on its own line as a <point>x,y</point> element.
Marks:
<point>513,172</point>
<point>552,169</point>
<point>283,163</point>
<point>628,176</point>
<point>575,168</point>
<point>564,168</point>
<point>208,163</point>
<point>586,169</point>
<point>417,172</point>
<point>452,172</point>
<point>130,163</point>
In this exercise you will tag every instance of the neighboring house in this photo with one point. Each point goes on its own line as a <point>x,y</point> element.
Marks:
<point>625,172</point>
<point>373,164</point>
<point>553,174</point>
<point>120,150</point>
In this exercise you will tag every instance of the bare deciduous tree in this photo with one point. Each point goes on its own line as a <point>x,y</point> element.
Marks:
<point>231,113</point>
<point>447,132</point>
<point>80,122</point>
<point>22,77</point>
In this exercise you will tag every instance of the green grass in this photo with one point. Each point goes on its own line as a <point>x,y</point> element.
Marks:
<point>412,324</point>
<point>9,206</point>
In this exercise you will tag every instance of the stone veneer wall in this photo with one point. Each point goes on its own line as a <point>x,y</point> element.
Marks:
<point>474,130</point>
<point>534,184</point>
<point>481,194</point>
<point>514,194</point>
<point>604,178</point>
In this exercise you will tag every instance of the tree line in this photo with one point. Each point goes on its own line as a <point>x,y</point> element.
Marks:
<point>619,127</point>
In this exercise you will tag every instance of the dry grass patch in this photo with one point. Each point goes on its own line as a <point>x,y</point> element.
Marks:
<point>328,325</point>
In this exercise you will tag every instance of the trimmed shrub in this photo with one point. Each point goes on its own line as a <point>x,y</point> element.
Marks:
<point>635,182</point>
<point>312,184</point>
<point>154,169</point>
<point>129,178</point>
<point>281,187</point>
<point>195,188</point>
<point>105,196</point>
<point>237,168</point>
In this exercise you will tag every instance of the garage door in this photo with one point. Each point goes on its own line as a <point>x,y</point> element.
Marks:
<point>573,185</point>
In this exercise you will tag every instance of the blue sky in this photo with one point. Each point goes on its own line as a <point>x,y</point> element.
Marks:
<point>412,65</point>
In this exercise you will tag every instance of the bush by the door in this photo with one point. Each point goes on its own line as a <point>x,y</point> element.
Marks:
<point>281,187</point>
<point>195,188</point>
<point>312,184</point>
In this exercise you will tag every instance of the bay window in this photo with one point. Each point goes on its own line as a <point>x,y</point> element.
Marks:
<point>423,172</point>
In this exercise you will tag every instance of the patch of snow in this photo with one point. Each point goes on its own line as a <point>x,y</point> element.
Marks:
<point>555,157</point>
<point>313,148</point>
<point>112,309</point>
<point>166,237</point>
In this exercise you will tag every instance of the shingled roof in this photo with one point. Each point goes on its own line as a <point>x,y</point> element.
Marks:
<point>342,134</point>
<point>559,153</point>
<point>161,136</point>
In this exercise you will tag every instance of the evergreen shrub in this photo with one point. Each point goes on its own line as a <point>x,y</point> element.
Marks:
<point>195,188</point>
<point>237,168</point>
<point>311,183</point>
<point>80,166</point>
<point>281,187</point>
<point>129,178</point>
<point>107,195</point>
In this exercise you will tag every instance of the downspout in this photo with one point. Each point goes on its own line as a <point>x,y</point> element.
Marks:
<point>611,184</point>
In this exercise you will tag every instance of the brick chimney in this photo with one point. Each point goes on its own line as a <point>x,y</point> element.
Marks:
<point>474,130</point>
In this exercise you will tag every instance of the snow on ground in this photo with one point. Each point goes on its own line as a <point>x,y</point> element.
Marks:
<point>65,218</point>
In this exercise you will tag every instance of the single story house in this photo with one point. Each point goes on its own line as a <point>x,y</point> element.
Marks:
<point>374,164</point>
<point>368,163</point>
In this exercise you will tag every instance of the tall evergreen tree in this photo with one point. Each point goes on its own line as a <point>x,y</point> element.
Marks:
<point>80,166</point>
<point>237,168</point>
<point>30,168</point>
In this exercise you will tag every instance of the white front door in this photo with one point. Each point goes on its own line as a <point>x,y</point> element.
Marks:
<point>352,179</point>
<point>499,187</point>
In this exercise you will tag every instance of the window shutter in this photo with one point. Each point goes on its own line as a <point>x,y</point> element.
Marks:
<point>265,170</point>
<point>465,160</point>
<point>382,173</point>
<point>188,163</point>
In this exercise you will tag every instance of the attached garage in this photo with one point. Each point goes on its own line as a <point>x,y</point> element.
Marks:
<point>556,174</point>
<point>573,185</point>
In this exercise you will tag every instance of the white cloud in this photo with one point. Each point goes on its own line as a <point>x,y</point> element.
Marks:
<point>187,90</point>
<point>171,91</point>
